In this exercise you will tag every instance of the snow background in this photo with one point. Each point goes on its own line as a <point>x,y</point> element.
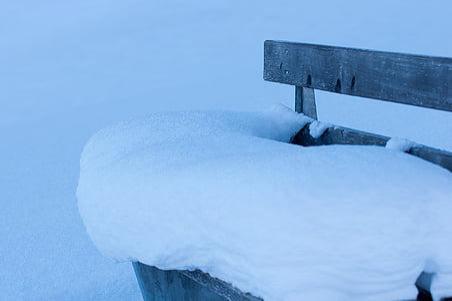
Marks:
<point>68,68</point>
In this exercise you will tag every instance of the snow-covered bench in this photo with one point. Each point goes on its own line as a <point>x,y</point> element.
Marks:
<point>416,80</point>
<point>211,205</point>
<point>423,81</point>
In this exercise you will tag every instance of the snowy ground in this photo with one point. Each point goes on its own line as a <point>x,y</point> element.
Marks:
<point>69,68</point>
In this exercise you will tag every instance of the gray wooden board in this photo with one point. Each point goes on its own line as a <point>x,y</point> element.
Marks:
<point>305,102</point>
<point>342,135</point>
<point>183,285</point>
<point>424,81</point>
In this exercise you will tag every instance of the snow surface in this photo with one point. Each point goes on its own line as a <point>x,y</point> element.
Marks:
<point>224,192</point>
<point>317,128</point>
<point>400,144</point>
<point>69,68</point>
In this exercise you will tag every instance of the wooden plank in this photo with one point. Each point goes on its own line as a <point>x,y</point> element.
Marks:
<point>305,102</point>
<point>183,285</point>
<point>439,157</point>
<point>423,81</point>
<point>338,135</point>
<point>342,135</point>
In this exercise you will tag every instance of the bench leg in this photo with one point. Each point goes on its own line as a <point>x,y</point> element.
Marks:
<point>305,102</point>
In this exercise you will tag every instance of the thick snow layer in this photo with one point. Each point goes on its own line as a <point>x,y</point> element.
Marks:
<point>225,193</point>
<point>69,68</point>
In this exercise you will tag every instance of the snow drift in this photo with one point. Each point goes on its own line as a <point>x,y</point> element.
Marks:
<point>224,192</point>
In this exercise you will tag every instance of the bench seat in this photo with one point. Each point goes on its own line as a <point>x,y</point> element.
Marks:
<point>226,193</point>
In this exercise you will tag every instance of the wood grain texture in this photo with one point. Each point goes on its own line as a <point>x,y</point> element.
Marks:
<point>423,81</point>
<point>305,101</point>
<point>183,285</point>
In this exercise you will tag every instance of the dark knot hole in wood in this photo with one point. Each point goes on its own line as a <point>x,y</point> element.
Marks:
<point>338,86</point>
<point>309,80</point>
<point>352,85</point>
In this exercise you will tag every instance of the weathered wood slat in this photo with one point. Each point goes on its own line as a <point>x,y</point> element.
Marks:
<point>440,157</point>
<point>403,78</point>
<point>183,285</point>
<point>305,102</point>
<point>338,135</point>
<point>342,135</point>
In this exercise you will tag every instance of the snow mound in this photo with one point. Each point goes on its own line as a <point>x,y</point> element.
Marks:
<point>224,192</point>
<point>400,144</point>
<point>317,128</point>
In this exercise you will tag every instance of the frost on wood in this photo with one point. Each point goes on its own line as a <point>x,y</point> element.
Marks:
<point>225,193</point>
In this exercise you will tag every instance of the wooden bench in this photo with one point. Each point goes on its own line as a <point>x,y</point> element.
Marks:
<point>402,78</point>
<point>416,80</point>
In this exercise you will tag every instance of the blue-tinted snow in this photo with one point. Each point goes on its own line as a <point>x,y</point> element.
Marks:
<point>68,68</point>
<point>225,193</point>
<point>400,144</point>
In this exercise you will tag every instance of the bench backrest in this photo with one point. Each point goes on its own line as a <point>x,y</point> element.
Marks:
<point>417,80</point>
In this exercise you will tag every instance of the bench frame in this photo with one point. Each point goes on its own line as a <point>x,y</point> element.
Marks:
<point>402,78</point>
<point>416,80</point>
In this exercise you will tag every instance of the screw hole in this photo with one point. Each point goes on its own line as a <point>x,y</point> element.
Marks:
<point>309,80</point>
<point>338,86</point>
<point>352,86</point>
